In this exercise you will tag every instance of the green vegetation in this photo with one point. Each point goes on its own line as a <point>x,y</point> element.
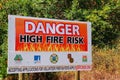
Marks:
<point>105,18</point>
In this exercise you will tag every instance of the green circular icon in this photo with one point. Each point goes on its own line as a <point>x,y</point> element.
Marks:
<point>54,58</point>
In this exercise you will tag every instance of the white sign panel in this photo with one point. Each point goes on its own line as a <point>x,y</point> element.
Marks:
<point>48,45</point>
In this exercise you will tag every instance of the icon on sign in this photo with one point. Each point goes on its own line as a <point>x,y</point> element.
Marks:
<point>71,60</point>
<point>54,58</point>
<point>18,58</point>
<point>37,58</point>
<point>84,58</point>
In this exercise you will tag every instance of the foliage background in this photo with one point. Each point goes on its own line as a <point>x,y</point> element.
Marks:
<point>104,15</point>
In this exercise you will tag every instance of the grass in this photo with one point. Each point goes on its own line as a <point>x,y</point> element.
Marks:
<point>106,65</point>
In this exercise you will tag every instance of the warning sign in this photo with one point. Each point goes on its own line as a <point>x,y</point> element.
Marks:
<point>36,39</point>
<point>50,35</point>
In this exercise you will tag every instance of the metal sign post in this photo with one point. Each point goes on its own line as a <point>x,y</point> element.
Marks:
<point>20,76</point>
<point>77,75</point>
